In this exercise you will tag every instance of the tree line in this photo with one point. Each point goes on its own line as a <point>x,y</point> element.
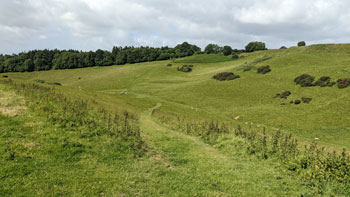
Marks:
<point>37,60</point>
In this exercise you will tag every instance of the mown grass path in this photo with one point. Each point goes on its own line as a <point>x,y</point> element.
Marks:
<point>196,168</point>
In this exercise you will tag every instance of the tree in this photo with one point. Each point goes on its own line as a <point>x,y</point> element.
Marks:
<point>235,55</point>
<point>68,59</point>
<point>283,47</point>
<point>186,49</point>
<point>164,56</point>
<point>301,44</point>
<point>227,50</point>
<point>255,46</point>
<point>28,65</point>
<point>212,49</point>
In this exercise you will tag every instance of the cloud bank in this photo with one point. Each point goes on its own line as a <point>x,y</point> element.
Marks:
<point>93,24</point>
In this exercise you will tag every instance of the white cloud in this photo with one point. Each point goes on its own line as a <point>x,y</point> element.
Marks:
<point>92,24</point>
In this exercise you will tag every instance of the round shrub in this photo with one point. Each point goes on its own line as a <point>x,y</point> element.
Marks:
<point>169,65</point>
<point>225,76</point>
<point>283,47</point>
<point>285,94</point>
<point>304,80</point>
<point>185,68</point>
<point>306,100</point>
<point>324,81</point>
<point>343,83</point>
<point>264,69</point>
<point>301,44</point>
<point>297,102</point>
<point>235,55</point>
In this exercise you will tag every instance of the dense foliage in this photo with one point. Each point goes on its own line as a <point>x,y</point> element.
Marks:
<point>306,80</point>
<point>213,49</point>
<point>301,44</point>
<point>264,69</point>
<point>227,50</point>
<point>185,68</point>
<point>283,95</point>
<point>255,46</point>
<point>224,76</point>
<point>283,47</point>
<point>38,60</point>
<point>343,83</point>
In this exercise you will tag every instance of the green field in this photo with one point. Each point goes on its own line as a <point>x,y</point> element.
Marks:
<point>177,164</point>
<point>250,97</point>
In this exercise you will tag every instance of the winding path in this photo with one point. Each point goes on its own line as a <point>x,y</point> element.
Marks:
<point>205,170</point>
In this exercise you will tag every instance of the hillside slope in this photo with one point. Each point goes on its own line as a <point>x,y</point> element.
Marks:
<point>171,162</point>
<point>196,95</point>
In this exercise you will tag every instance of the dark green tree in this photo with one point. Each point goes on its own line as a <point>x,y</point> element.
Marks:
<point>212,49</point>
<point>227,50</point>
<point>28,65</point>
<point>255,46</point>
<point>301,44</point>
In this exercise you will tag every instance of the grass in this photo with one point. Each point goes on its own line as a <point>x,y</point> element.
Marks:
<point>204,58</point>
<point>41,158</point>
<point>196,96</point>
<point>250,97</point>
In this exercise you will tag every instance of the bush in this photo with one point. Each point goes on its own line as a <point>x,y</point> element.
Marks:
<point>283,47</point>
<point>213,49</point>
<point>255,46</point>
<point>297,102</point>
<point>264,69</point>
<point>185,68</point>
<point>227,50</point>
<point>169,65</point>
<point>301,44</point>
<point>284,95</point>
<point>225,76</point>
<point>343,83</point>
<point>325,81</point>
<point>304,80</point>
<point>235,55</point>
<point>5,76</point>
<point>306,100</point>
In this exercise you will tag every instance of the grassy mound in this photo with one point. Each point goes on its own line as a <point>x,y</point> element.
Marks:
<point>225,76</point>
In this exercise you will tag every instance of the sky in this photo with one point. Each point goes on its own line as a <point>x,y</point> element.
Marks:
<point>101,24</point>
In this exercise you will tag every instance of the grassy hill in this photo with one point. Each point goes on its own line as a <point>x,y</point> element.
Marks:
<point>195,96</point>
